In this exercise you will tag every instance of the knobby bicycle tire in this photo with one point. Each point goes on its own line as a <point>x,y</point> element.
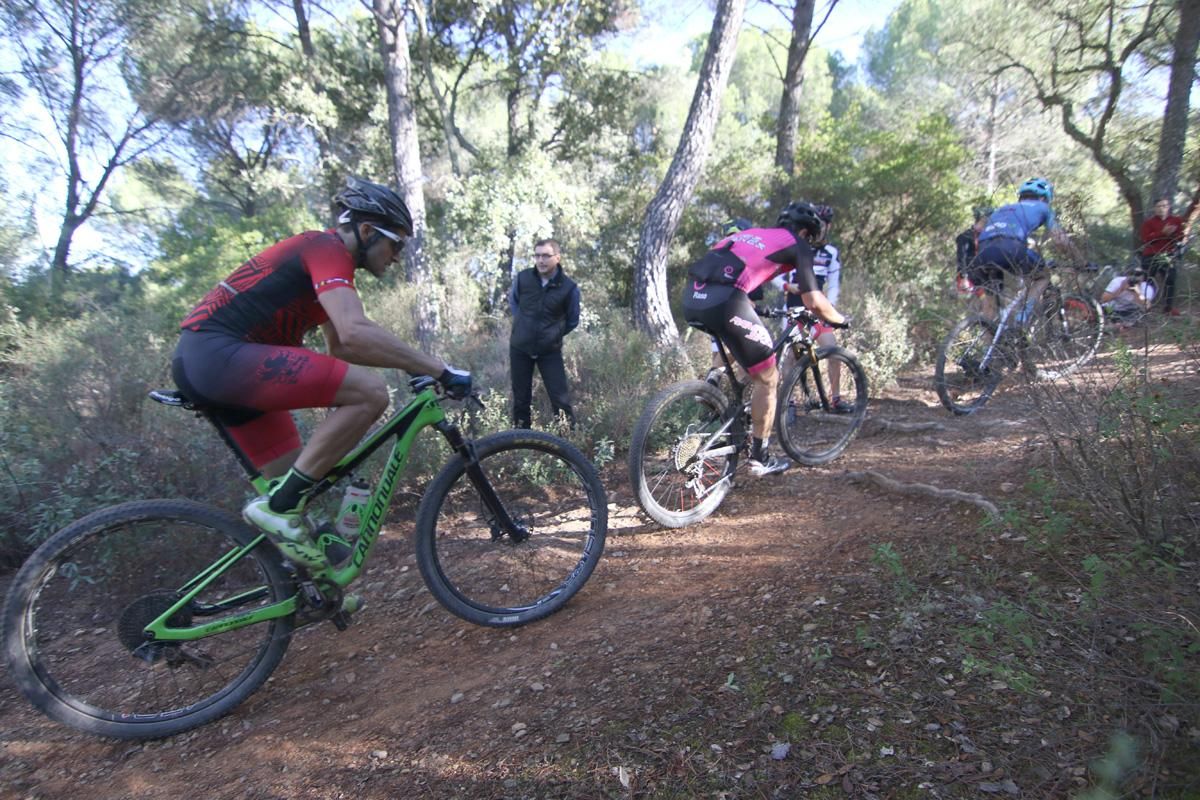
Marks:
<point>479,571</point>
<point>74,615</point>
<point>1067,335</point>
<point>810,430</point>
<point>962,384</point>
<point>675,484</point>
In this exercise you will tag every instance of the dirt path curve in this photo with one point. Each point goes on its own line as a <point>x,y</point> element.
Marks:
<point>410,702</point>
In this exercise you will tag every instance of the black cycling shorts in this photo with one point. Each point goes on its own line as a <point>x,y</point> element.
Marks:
<point>727,312</point>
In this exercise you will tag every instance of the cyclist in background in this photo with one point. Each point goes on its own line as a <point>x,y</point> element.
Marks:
<point>827,267</point>
<point>1003,241</point>
<point>716,297</point>
<point>966,244</point>
<point>240,351</point>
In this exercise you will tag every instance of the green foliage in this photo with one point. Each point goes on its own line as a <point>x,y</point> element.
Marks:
<point>77,431</point>
<point>880,337</point>
<point>205,245</point>
<point>886,556</point>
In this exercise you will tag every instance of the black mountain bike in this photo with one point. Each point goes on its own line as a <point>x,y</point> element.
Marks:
<point>151,617</point>
<point>691,435</point>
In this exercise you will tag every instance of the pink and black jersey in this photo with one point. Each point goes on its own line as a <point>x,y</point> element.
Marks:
<point>272,298</point>
<point>750,258</point>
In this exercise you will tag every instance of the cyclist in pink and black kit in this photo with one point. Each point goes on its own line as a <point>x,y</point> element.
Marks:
<point>240,354</point>
<point>827,266</point>
<point>716,298</point>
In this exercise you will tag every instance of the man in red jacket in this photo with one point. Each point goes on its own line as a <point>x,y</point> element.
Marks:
<point>1160,234</point>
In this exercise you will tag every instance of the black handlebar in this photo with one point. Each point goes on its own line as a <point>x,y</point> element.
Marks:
<point>799,313</point>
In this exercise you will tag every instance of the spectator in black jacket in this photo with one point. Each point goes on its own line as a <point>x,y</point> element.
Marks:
<point>545,308</point>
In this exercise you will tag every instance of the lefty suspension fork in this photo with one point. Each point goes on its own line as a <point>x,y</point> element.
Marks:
<point>500,521</point>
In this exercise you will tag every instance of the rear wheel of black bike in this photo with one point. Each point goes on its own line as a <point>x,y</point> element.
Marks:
<point>811,428</point>
<point>677,480</point>
<point>499,577</point>
<point>75,612</point>
<point>1066,335</point>
<point>962,381</point>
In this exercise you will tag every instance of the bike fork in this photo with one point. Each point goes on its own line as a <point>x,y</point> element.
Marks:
<point>500,521</point>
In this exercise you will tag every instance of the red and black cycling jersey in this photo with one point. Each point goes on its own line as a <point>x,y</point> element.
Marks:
<point>272,298</point>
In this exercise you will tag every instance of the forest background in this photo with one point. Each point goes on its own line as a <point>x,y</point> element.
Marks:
<point>180,137</point>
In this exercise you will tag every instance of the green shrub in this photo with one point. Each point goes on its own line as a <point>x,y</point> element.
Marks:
<point>879,339</point>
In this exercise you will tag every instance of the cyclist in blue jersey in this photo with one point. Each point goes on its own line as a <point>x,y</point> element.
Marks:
<point>1003,243</point>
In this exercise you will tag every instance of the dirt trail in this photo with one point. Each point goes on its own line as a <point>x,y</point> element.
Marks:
<point>640,687</point>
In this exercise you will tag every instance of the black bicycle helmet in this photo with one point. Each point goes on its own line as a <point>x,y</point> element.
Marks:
<point>825,213</point>
<point>800,216</point>
<point>735,225</point>
<point>373,202</point>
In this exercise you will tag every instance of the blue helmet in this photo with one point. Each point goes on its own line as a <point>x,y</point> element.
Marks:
<point>1038,187</point>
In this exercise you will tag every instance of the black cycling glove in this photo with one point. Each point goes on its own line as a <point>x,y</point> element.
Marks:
<point>456,382</point>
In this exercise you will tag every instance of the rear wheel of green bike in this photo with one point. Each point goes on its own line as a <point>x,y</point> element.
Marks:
<point>74,615</point>
<point>963,383</point>
<point>810,427</point>
<point>493,575</point>
<point>682,455</point>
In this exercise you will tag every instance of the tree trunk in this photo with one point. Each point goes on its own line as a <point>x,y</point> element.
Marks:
<point>306,44</point>
<point>789,103</point>
<point>990,129</point>
<point>406,158</point>
<point>651,308</point>
<point>1175,120</point>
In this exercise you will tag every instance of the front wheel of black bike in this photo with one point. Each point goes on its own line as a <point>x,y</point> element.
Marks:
<point>963,380</point>
<point>500,573</point>
<point>75,613</point>
<point>813,422</point>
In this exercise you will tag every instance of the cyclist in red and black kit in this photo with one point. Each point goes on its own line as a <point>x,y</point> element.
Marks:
<point>240,353</point>
<point>717,297</point>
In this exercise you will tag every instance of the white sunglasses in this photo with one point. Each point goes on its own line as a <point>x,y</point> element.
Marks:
<point>396,238</point>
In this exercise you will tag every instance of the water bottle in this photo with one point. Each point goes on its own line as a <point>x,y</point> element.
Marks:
<point>353,503</point>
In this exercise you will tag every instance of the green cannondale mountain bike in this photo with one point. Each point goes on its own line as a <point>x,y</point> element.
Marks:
<point>152,617</point>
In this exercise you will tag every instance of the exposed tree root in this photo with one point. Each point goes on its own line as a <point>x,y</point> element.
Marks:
<point>925,490</point>
<point>873,426</point>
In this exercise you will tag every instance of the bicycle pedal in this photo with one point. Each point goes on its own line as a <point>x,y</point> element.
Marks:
<point>341,620</point>
<point>311,595</point>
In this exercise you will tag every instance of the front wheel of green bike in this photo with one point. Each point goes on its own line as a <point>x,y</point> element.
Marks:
<point>814,423</point>
<point>76,612</point>
<point>512,536</point>
<point>969,368</point>
<point>683,454</point>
